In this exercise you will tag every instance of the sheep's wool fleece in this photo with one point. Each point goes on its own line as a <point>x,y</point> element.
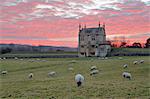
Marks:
<point>79,77</point>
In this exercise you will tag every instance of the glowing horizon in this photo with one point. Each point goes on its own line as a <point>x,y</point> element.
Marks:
<point>55,22</point>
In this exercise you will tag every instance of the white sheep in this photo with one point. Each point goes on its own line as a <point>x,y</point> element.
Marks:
<point>106,58</point>
<point>53,73</point>
<point>102,58</point>
<point>120,58</point>
<point>94,72</point>
<point>16,58</point>
<point>141,61</point>
<point>93,68</point>
<point>127,75</point>
<point>43,60</point>
<point>37,59</point>
<point>135,62</point>
<point>70,69</point>
<point>30,75</point>
<point>125,65</point>
<point>73,61</point>
<point>79,79</point>
<point>92,59</point>
<point>31,60</point>
<point>4,72</point>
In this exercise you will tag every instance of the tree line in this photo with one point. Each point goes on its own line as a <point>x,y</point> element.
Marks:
<point>121,42</point>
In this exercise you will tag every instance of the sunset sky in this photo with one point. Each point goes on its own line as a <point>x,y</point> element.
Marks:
<point>55,22</point>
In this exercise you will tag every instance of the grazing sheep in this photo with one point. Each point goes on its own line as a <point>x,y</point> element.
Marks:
<point>99,58</point>
<point>92,59</point>
<point>94,72</point>
<point>32,60</point>
<point>120,58</point>
<point>43,60</point>
<point>37,59</point>
<point>70,69</point>
<point>125,66</point>
<point>79,79</point>
<point>73,61</point>
<point>16,58</point>
<point>135,62</point>
<point>106,58</point>
<point>30,75</point>
<point>126,75</point>
<point>93,68</point>
<point>53,73</point>
<point>141,61</point>
<point>4,72</point>
<point>102,58</point>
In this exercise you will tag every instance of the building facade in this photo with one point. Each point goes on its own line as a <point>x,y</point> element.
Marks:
<point>92,42</point>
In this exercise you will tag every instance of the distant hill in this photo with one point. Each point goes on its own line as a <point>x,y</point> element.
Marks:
<point>30,48</point>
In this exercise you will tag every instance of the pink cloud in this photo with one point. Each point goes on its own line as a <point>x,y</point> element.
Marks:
<point>56,22</point>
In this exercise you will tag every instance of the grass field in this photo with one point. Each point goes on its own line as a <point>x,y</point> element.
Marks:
<point>108,84</point>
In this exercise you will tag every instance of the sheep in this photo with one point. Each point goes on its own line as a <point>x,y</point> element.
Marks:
<point>73,61</point>
<point>43,60</point>
<point>16,58</point>
<point>125,66</point>
<point>127,75</point>
<point>53,73</point>
<point>30,75</point>
<point>93,68</point>
<point>102,58</point>
<point>99,58</point>
<point>141,61</point>
<point>79,79</point>
<point>31,60</point>
<point>135,62</point>
<point>70,69</point>
<point>120,58</point>
<point>92,59</point>
<point>106,58</point>
<point>37,59</point>
<point>4,72</point>
<point>94,72</point>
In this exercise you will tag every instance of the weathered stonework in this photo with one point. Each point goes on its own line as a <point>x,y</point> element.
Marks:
<point>92,42</point>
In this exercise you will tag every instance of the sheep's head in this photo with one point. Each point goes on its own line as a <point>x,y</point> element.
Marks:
<point>79,83</point>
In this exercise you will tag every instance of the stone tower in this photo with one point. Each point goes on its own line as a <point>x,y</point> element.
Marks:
<point>92,42</point>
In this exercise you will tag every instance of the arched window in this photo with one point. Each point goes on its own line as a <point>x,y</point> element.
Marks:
<point>93,38</point>
<point>93,46</point>
<point>82,46</point>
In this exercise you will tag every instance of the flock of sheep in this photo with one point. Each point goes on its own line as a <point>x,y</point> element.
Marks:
<point>127,74</point>
<point>79,78</point>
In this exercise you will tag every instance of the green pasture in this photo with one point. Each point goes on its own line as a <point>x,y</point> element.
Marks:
<point>108,84</point>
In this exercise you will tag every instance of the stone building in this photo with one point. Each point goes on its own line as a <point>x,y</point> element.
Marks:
<point>92,42</point>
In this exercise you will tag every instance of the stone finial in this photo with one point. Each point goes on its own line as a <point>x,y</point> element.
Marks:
<point>79,27</point>
<point>99,24</point>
